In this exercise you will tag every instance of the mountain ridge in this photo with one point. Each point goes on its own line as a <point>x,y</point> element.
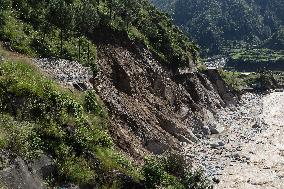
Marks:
<point>214,24</point>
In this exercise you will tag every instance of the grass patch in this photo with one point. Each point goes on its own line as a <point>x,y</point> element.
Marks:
<point>257,55</point>
<point>261,80</point>
<point>38,116</point>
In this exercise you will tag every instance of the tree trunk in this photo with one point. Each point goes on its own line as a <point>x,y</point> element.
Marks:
<point>61,42</point>
<point>88,53</point>
<point>79,50</point>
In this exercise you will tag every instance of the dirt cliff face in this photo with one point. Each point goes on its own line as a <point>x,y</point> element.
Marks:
<point>151,109</point>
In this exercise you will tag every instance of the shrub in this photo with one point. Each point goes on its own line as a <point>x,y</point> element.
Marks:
<point>13,32</point>
<point>73,168</point>
<point>3,140</point>
<point>19,137</point>
<point>201,68</point>
<point>265,80</point>
<point>91,103</point>
<point>172,171</point>
<point>175,164</point>
<point>195,180</point>
<point>154,172</point>
<point>232,80</point>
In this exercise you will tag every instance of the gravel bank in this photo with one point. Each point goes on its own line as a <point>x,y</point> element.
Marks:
<point>67,72</point>
<point>249,154</point>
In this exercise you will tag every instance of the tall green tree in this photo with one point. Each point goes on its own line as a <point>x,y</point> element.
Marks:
<point>62,15</point>
<point>87,17</point>
<point>132,10</point>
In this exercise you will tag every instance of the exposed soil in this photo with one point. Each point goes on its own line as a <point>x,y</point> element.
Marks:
<point>151,109</point>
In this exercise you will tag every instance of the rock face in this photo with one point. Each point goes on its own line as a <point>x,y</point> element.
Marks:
<point>151,108</point>
<point>19,174</point>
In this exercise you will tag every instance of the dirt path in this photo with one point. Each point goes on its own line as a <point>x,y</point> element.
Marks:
<point>250,153</point>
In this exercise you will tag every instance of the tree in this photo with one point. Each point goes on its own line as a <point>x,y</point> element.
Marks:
<point>216,24</point>
<point>5,4</point>
<point>87,17</point>
<point>132,10</point>
<point>62,16</point>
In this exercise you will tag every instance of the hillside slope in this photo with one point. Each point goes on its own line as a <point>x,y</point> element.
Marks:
<point>151,109</point>
<point>52,136</point>
<point>60,133</point>
<point>214,24</point>
<point>144,72</point>
<point>276,41</point>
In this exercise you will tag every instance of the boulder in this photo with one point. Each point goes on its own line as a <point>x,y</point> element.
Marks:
<point>18,176</point>
<point>44,167</point>
<point>258,123</point>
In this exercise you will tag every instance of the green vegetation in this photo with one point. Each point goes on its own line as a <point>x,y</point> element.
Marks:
<point>171,171</point>
<point>201,68</point>
<point>251,60</point>
<point>38,116</point>
<point>276,41</point>
<point>257,55</point>
<point>216,24</point>
<point>261,80</point>
<point>232,79</point>
<point>279,77</point>
<point>66,29</point>
<point>2,187</point>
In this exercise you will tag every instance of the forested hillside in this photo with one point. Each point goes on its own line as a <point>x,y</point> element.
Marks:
<point>214,24</point>
<point>276,41</point>
<point>55,28</point>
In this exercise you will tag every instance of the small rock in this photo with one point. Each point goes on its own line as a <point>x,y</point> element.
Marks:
<point>217,129</point>
<point>257,124</point>
<point>216,180</point>
<point>236,155</point>
<point>217,144</point>
<point>247,158</point>
<point>206,130</point>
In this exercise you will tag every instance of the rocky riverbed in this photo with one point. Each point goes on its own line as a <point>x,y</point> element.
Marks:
<point>249,153</point>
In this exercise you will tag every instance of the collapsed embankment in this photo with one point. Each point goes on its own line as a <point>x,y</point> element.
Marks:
<point>151,109</point>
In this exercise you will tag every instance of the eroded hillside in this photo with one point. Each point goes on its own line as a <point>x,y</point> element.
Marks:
<point>55,130</point>
<point>152,109</point>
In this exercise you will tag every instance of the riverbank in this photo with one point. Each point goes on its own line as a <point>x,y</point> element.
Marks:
<point>250,152</point>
